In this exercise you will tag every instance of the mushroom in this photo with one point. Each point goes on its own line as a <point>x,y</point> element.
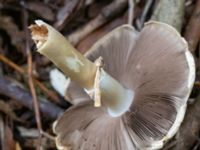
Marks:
<point>142,87</point>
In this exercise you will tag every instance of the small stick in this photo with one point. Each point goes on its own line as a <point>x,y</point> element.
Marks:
<point>11,64</point>
<point>30,80</point>
<point>45,134</point>
<point>140,22</point>
<point>192,32</point>
<point>65,13</point>
<point>130,11</point>
<point>97,91</point>
<point>108,13</point>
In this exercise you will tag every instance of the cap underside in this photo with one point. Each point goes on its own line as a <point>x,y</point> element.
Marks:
<point>158,67</point>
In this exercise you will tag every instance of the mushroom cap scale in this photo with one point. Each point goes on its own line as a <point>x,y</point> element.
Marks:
<point>158,67</point>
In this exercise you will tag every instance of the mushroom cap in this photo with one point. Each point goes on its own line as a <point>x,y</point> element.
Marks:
<point>157,65</point>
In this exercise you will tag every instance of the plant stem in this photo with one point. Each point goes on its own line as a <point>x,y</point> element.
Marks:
<point>81,70</point>
<point>67,58</point>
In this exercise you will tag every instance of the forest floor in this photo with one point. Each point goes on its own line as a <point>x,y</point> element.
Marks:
<point>28,102</point>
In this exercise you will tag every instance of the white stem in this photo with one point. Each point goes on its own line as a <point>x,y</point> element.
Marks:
<point>115,95</point>
<point>80,69</point>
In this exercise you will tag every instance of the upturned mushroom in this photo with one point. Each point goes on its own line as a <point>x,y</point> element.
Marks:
<point>142,82</point>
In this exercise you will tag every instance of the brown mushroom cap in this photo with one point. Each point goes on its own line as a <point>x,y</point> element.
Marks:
<point>158,67</point>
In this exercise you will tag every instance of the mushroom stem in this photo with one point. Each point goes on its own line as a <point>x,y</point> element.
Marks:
<point>81,70</point>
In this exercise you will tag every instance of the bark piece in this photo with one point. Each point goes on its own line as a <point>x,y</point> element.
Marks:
<point>170,12</point>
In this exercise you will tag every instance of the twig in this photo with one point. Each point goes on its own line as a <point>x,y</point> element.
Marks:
<point>35,99</point>
<point>192,32</point>
<point>140,22</point>
<point>10,89</point>
<point>19,69</point>
<point>48,136</point>
<point>130,11</point>
<point>90,39</point>
<point>11,64</point>
<point>65,13</point>
<point>108,13</point>
<point>30,79</point>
